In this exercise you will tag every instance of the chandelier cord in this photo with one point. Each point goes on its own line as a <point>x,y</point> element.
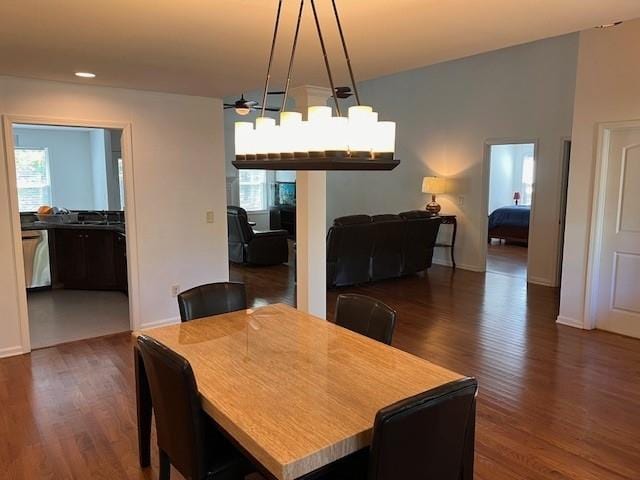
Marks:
<point>273,47</point>
<point>293,53</point>
<point>346,52</point>
<point>326,58</point>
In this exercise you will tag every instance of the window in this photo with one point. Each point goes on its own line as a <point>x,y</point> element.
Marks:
<point>527,180</point>
<point>33,179</point>
<point>253,190</point>
<point>121,182</point>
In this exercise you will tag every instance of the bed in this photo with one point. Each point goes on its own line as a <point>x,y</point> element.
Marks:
<point>510,223</point>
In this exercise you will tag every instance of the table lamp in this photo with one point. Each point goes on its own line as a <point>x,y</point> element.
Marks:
<point>516,197</point>
<point>434,186</point>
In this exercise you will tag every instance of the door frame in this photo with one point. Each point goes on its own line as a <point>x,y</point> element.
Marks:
<point>486,179</point>
<point>565,165</point>
<point>132,243</point>
<point>604,131</point>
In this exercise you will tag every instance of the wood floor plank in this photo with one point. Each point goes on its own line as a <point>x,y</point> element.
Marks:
<point>554,402</point>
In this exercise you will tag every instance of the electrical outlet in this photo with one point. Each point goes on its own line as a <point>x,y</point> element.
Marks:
<point>460,200</point>
<point>209,216</point>
<point>175,290</point>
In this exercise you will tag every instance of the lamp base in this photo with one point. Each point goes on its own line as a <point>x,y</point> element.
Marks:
<point>433,208</point>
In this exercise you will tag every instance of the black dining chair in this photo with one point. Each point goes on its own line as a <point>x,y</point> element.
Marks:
<point>212,299</point>
<point>366,315</point>
<point>187,438</point>
<point>429,436</point>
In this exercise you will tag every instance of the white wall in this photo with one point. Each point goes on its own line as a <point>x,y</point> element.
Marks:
<point>607,90</point>
<point>178,174</point>
<point>70,164</point>
<point>444,114</point>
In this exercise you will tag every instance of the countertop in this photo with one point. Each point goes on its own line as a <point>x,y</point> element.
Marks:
<point>113,226</point>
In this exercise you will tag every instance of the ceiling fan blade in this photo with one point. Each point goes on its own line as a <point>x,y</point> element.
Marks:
<point>276,93</point>
<point>228,105</point>
<point>250,103</point>
<point>343,95</point>
<point>268,109</point>
<point>343,89</point>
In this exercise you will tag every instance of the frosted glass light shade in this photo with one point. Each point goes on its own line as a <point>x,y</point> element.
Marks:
<point>385,137</point>
<point>289,131</point>
<point>433,185</point>
<point>318,114</point>
<point>243,138</point>
<point>359,111</point>
<point>338,138</point>
<point>263,134</point>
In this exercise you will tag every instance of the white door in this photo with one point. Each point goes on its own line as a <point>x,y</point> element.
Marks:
<point>618,297</point>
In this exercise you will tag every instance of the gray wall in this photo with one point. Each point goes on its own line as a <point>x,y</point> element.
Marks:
<point>445,113</point>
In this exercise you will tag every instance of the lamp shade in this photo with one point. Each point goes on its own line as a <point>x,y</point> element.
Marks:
<point>433,185</point>
<point>516,195</point>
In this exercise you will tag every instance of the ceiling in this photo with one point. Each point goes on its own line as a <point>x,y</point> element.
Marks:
<point>220,47</point>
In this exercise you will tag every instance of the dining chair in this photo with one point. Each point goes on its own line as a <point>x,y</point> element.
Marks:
<point>212,299</point>
<point>429,436</point>
<point>366,315</point>
<point>187,438</point>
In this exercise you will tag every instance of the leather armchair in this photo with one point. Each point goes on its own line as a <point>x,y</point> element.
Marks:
<point>254,247</point>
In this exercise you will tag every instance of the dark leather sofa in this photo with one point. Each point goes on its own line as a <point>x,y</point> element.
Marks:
<point>254,247</point>
<point>363,248</point>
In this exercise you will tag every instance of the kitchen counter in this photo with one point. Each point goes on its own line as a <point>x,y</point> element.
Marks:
<point>113,226</point>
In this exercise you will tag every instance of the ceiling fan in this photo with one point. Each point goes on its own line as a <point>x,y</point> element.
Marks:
<point>244,106</point>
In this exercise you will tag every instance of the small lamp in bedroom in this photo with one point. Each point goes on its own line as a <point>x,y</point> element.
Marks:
<point>516,197</point>
<point>434,186</point>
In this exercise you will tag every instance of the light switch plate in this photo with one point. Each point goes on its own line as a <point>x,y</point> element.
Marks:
<point>210,216</point>
<point>460,200</point>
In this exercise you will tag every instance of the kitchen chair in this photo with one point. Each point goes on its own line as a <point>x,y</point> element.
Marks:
<point>187,438</point>
<point>212,299</point>
<point>366,315</point>
<point>429,436</point>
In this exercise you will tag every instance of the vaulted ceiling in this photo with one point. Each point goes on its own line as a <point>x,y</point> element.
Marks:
<point>220,47</point>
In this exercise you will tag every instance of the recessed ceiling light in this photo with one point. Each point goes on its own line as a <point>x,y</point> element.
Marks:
<point>609,25</point>
<point>85,75</point>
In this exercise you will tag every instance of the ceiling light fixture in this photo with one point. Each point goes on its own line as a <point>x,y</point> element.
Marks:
<point>85,75</point>
<point>323,141</point>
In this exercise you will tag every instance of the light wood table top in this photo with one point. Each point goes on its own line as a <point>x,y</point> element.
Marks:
<point>297,392</point>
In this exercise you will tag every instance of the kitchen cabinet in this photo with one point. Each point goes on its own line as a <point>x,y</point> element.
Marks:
<point>88,259</point>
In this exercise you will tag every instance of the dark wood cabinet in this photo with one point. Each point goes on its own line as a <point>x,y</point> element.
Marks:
<point>122,279</point>
<point>90,259</point>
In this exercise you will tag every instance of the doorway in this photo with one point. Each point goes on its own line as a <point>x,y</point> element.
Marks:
<point>510,200</point>
<point>69,186</point>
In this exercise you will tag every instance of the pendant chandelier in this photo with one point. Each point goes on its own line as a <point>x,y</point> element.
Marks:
<point>359,141</point>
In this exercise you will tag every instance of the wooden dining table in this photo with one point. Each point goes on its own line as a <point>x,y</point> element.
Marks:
<point>294,391</point>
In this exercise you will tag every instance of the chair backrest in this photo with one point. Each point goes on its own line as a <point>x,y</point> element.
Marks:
<point>428,437</point>
<point>349,246</point>
<point>176,404</point>
<point>366,315</point>
<point>420,238</point>
<point>212,299</point>
<point>239,230</point>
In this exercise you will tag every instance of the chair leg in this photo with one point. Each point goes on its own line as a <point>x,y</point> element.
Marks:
<point>165,466</point>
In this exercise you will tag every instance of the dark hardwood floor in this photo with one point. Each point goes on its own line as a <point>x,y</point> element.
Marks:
<point>554,402</point>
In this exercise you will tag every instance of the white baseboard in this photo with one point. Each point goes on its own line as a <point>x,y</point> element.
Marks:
<point>11,351</point>
<point>160,323</point>
<point>569,322</point>
<point>542,281</point>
